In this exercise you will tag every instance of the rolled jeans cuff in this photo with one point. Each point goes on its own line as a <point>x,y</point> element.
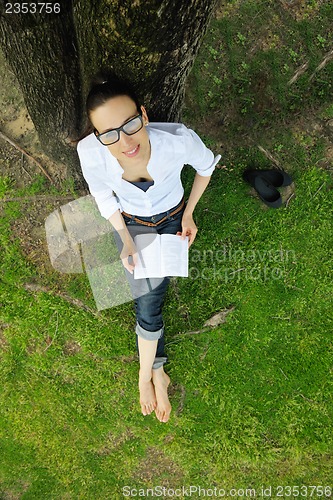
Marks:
<point>147,335</point>
<point>158,362</point>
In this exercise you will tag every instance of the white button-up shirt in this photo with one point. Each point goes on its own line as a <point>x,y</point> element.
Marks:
<point>172,146</point>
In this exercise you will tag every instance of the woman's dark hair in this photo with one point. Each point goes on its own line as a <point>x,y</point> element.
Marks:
<point>104,86</point>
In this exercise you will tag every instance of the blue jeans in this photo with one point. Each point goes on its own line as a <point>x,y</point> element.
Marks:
<point>148,293</point>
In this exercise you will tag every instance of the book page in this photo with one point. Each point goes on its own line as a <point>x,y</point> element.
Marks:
<point>149,262</point>
<point>174,255</point>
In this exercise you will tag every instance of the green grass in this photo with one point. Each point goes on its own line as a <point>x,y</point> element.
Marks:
<point>252,398</point>
<point>248,59</point>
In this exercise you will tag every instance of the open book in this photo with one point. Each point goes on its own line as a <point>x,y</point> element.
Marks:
<point>161,255</point>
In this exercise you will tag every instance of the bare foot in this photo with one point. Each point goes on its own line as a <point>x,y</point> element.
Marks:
<point>161,381</point>
<point>147,396</point>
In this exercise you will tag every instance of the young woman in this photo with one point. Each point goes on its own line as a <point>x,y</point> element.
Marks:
<point>133,171</point>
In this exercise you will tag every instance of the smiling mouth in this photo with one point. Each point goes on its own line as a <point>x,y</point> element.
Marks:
<point>133,152</point>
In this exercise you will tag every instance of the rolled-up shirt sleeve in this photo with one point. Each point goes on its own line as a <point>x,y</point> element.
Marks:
<point>106,201</point>
<point>105,198</point>
<point>198,155</point>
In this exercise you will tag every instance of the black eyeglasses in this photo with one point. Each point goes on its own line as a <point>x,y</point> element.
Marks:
<point>129,128</point>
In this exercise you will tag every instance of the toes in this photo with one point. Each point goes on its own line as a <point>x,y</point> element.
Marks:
<point>151,407</point>
<point>147,398</point>
<point>162,415</point>
<point>159,415</point>
<point>165,417</point>
<point>143,410</point>
<point>147,409</point>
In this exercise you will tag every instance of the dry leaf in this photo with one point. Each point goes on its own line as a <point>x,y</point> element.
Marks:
<point>219,318</point>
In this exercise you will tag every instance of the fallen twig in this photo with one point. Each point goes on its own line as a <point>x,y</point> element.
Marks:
<point>326,59</point>
<point>283,373</point>
<point>28,155</point>
<point>307,399</point>
<point>24,169</point>
<point>288,200</point>
<point>323,184</point>
<point>215,320</point>
<point>194,332</point>
<point>269,156</point>
<point>55,334</point>
<point>298,73</point>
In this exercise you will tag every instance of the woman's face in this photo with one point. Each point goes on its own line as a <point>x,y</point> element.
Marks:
<point>130,149</point>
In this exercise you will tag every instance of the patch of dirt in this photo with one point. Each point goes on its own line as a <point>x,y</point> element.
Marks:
<point>16,125</point>
<point>3,340</point>
<point>21,487</point>
<point>157,466</point>
<point>71,348</point>
<point>301,9</point>
<point>114,442</point>
<point>21,126</point>
<point>308,130</point>
<point>226,8</point>
<point>14,167</point>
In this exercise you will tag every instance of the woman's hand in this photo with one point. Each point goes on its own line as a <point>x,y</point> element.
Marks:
<point>129,250</point>
<point>188,229</point>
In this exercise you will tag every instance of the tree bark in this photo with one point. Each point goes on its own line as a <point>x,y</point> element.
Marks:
<point>41,50</point>
<point>152,43</point>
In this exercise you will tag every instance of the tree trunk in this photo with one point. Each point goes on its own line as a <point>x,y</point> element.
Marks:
<point>41,50</point>
<point>152,43</point>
